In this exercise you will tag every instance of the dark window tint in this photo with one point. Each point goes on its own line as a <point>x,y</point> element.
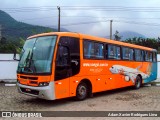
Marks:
<point>148,56</point>
<point>128,53</point>
<point>68,58</point>
<point>99,50</point>
<point>139,55</point>
<point>72,43</point>
<point>62,56</point>
<point>93,50</point>
<point>114,52</point>
<point>88,49</point>
<point>154,57</point>
<point>63,69</point>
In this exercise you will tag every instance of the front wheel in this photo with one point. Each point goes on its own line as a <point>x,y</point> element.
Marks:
<point>138,82</point>
<point>81,92</point>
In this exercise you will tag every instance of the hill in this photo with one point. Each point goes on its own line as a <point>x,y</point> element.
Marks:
<point>130,34</point>
<point>12,29</point>
<point>127,34</point>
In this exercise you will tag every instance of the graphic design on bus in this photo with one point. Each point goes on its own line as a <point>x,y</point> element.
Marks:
<point>129,73</point>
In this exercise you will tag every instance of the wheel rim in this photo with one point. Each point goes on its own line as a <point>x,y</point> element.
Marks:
<point>138,83</point>
<point>82,90</point>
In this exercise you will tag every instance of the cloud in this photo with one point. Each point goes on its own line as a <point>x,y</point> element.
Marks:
<point>123,13</point>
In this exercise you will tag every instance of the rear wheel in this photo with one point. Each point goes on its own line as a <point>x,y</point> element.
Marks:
<point>138,82</point>
<point>81,92</point>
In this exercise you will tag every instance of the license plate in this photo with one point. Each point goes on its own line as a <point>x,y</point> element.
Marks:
<point>28,90</point>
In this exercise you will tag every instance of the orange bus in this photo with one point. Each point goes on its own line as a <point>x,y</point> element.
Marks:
<point>63,64</point>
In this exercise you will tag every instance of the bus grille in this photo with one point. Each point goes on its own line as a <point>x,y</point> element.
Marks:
<point>29,78</point>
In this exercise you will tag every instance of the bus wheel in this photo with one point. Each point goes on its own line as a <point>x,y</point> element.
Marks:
<point>138,82</point>
<point>81,92</point>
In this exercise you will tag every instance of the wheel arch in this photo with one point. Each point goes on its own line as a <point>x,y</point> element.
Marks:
<point>140,77</point>
<point>89,85</point>
<point>138,82</point>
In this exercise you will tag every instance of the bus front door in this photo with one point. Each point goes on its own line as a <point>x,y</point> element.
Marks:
<point>62,72</point>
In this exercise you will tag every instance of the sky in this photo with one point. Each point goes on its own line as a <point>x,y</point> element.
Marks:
<point>89,16</point>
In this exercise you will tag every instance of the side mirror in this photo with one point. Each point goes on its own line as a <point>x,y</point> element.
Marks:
<point>15,57</point>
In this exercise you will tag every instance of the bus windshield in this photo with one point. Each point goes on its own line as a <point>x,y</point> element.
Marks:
<point>36,55</point>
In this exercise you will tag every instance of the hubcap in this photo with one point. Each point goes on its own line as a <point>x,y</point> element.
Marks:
<point>82,90</point>
<point>138,83</point>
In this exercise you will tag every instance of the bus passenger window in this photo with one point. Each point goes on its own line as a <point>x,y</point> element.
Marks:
<point>118,53</point>
<point>93,50</point>
<point>99,48</point>
<point>88,49</point>
<point>114,52</point>
<point>131,54</point>
<point>125,52</point>
<point>138,55</point>
<point>148,56</point>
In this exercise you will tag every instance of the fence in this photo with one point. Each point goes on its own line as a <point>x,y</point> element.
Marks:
<point>158,70</point>
<point>8,67</point>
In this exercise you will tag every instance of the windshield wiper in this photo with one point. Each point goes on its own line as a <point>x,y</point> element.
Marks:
<point>28,63</point>
<point>31,63</point>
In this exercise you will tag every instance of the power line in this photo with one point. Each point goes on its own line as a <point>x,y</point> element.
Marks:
<point>91,22</point>
<point>139,23</point>
<point>41,18</point>
<point>95,8</point>
<point>71,24</point>
<point>80,23</point>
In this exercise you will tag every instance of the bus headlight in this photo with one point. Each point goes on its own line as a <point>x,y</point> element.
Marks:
<point>41,84</point>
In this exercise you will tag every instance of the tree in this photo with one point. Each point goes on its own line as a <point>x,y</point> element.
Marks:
<point>116,36</point>
<point>10,45</point>
<point>147,42</point>
<point>3,40</point>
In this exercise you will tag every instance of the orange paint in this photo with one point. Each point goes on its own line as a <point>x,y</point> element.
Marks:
<point>96,71</point>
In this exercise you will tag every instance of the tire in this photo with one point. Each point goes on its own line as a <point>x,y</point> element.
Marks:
<point>138,82</point>
<point>82,91</point>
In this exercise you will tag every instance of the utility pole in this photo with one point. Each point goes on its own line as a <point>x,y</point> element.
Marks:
<point>111,29</point>
<point>59,10</point>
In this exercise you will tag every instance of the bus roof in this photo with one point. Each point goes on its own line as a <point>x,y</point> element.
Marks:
<point>89,37</point>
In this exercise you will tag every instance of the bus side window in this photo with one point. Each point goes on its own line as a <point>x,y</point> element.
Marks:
<point>138,55</point>
<point>106,51</point>
<point>62,69</point>
<point>99,50</point>
<point>111,52</point>
<point>63,56</point>
<point>88,49</point>
<point>148,56</point>
<point>131,54</point>
<point>114,52</point>
<point>126,53</point>
<point>118,52</point>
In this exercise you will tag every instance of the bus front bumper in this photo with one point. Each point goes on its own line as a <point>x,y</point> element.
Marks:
<point>46,92</point>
